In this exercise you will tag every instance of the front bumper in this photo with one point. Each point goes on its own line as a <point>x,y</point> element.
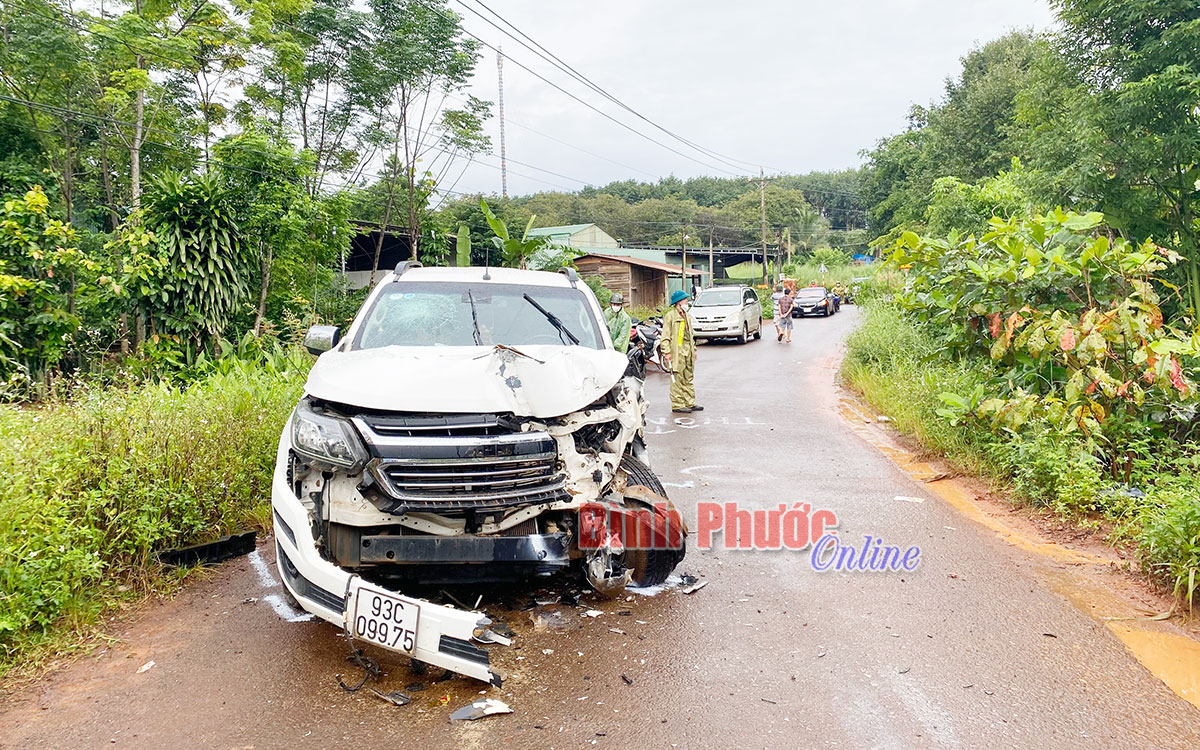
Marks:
<point>444,636</point>
<point>717,331</point>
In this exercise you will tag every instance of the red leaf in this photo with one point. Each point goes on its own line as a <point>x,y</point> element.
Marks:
<point>994,324</point>
<point>1067,340</point>
<point>1177,376</point>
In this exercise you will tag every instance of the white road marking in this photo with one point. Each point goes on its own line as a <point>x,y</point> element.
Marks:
<point>690,469</point>
<point>684,486</point>
<point>924,709</point>
<point>284,610</point>
<point>263,571</point>
<point>908,499</point>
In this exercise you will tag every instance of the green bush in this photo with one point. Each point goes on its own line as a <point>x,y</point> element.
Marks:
<point>603,293</point>
<point>95,486</point>
<point>1170,540</point>
<point>900,368</point>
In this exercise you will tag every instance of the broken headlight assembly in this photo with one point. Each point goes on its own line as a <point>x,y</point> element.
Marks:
<point>323,438</point>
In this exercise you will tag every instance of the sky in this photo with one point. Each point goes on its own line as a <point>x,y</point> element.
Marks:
<point>789,85</point>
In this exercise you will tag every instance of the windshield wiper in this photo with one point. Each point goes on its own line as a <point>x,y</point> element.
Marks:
<point>474,320</point>
<point>554,321</point>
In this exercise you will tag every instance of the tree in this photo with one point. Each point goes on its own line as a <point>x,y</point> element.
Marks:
<point>1138,60</point>
<point>293,235</point>
<point>203,253</point>
<point>37,254</point>
<point>421,56</point>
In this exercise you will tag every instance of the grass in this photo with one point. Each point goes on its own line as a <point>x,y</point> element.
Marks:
<point>96,485</point>
<point>897,368</point>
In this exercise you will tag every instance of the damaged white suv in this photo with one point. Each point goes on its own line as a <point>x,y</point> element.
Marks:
<point>473,425</point>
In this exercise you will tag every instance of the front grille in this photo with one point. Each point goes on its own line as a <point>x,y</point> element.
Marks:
<point>447,472</point>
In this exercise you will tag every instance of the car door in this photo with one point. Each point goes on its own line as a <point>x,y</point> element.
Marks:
<point>752,309</point>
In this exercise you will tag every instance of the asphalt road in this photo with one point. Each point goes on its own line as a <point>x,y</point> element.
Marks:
<point>978,647</point>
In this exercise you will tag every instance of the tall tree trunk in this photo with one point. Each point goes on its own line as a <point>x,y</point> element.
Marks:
<point>262,291</point>
<point>387,212</point>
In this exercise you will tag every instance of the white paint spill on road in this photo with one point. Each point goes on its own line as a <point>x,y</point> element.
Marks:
<point>908,499</point>
<point>284,610</point>
<point>924,709</point>
<point>692,469</point>
<point>266,579</point>
<point>263,571</point>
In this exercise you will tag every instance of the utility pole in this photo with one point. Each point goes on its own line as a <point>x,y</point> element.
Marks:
<point>762,205</point>
<point>712,270</point>
<point>683,263</point>
<point>503,157</point>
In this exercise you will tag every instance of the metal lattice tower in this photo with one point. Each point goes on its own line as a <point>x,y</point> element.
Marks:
<point>503,157</point>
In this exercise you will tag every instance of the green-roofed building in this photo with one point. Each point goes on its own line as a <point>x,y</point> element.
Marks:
<point>583,236</point>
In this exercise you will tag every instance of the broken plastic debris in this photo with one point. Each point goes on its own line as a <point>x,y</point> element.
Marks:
<point>487,635</point>
<point>618,631</point>
<point>480,709</point>
<point>146,667</point>
<point>591,613</point>
<point>547,651</point>
<point>395,697</point>
<point>695,587</point>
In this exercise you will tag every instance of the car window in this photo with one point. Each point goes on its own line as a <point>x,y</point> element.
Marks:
<point>717,297</point>
<point>812,291</point>
<point>751,297</point>
<point>439,314</point>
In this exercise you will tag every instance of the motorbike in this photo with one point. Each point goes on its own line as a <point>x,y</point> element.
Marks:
<point>644,337</point>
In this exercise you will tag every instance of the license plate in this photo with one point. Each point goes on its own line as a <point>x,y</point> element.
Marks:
<point>384,618</point>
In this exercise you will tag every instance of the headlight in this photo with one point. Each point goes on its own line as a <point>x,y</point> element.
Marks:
<point>731,318</point>
<point>323,438</point>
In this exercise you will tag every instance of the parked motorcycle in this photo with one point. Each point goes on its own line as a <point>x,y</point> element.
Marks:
<point>645,337</point>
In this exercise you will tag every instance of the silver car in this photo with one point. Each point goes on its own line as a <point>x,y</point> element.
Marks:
<point>723,312</point>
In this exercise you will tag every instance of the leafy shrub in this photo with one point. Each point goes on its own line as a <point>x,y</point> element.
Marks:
<point>1170,541</point>
<point>603,293</point>
<point>95,486</point>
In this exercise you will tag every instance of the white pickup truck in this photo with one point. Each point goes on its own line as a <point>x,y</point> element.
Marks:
<point>473,425</point>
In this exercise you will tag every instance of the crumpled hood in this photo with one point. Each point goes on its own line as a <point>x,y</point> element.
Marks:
<point>550,381</point>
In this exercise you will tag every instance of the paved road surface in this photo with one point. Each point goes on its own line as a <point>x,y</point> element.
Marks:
<point>769,654</point>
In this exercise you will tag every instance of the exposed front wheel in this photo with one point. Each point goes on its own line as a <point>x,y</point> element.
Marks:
<point>745,336</point>
<point>650,566</point>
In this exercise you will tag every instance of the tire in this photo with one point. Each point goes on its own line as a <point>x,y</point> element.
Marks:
<point>650,566</point>
<point>758,333</point>
<point>745,336</point>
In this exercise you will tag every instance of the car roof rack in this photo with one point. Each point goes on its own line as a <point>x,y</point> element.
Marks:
<point>405,265</point>
<point>571,274</point>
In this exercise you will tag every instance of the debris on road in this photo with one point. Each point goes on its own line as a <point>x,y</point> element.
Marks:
<point>146,667</point>
<point>416,687</point>
<point>591,613</point>
<point>480,709</point>
<point>488,635</point>
<point>691,584</point>
<point>626,680</point>
<point>210,553</point>
<point>395,697</point>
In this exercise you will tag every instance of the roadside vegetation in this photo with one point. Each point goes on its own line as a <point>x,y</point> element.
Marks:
<point>1053,350</point>
<point>1039,355</point>
<point>98,481</point>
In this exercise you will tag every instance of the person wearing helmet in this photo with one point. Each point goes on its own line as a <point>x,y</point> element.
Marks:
<point>678,349</point>
<point>618,322</point>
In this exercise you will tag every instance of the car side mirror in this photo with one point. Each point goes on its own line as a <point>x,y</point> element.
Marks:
<point>321,339</point>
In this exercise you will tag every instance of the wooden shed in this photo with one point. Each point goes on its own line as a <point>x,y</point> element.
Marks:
<point>643,282</point>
